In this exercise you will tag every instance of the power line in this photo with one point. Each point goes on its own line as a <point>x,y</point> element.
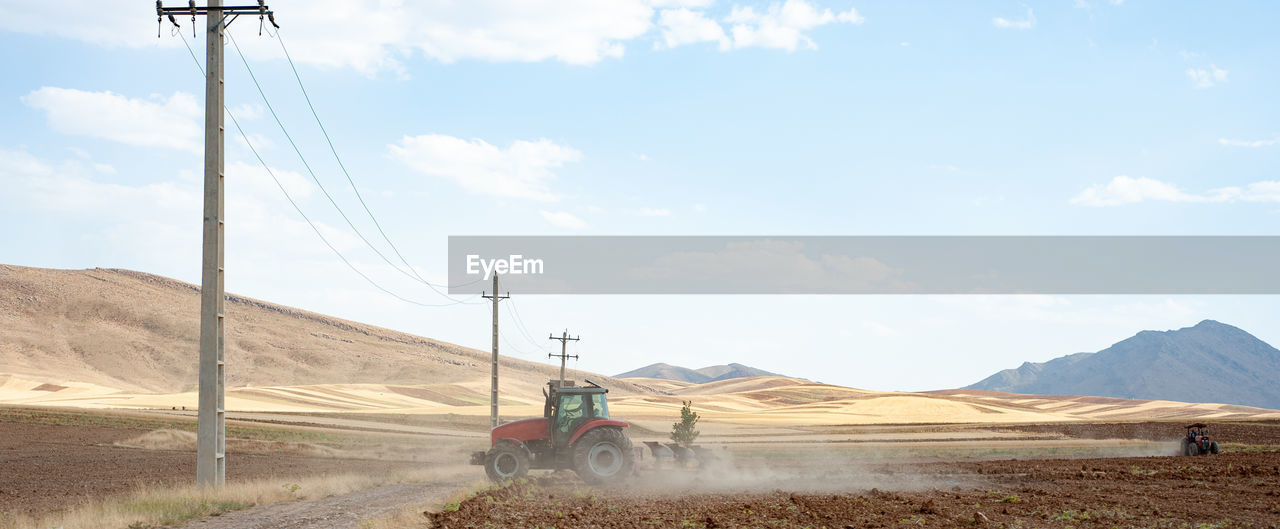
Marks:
<point>512,346</point>
<point>306,96</point>
<point>316,179</point>
<point>294,203</point>
<point>515,316</point>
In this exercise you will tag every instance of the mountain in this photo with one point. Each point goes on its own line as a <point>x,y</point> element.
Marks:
<point>138,332</point>
<point>726,372</point>
<point>1210,362</point>
<point>667,372</point>
<point>696,376</point>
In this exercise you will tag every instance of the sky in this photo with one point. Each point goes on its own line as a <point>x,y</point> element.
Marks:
<point>656,117</point>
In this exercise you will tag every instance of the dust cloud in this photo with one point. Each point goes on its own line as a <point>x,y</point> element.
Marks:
<point>805,473</point>
<point>848,467</point>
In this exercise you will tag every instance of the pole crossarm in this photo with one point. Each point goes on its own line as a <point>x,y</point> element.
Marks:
<point>564,356</point>
<point>193,10</point>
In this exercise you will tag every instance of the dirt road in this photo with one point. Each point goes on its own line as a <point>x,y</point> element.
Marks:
<point>337,512</point>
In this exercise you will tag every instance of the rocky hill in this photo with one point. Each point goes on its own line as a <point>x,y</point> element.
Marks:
<point>1210,362</point>
<point>696,376</point>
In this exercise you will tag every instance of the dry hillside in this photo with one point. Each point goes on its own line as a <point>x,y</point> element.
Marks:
<point>138,332</point>
<point>120,339</point>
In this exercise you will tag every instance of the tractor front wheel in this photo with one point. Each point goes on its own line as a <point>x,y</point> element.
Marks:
<point>506,461</point>
<point>603,455</point>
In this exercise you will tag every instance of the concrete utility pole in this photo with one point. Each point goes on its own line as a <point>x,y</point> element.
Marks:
<point>211,430</point>
<point>564,339</point>
<point>211,444</point>
<point>493,388</point>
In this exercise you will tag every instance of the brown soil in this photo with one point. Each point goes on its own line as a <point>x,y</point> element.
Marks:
<point>47,467</point>
<point>1239,489</point>
<point>1263,432</point>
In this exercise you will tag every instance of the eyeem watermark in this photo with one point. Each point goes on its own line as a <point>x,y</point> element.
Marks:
<point>514,264</point>
<point>1164,265</point>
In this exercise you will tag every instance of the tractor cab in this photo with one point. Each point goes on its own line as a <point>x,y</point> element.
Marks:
<point>568,407</point>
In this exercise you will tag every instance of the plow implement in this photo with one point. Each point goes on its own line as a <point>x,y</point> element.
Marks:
<point>674,456</point>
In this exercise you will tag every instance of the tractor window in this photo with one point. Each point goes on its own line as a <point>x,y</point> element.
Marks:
<point>599,407</point>
<point>570,409</point>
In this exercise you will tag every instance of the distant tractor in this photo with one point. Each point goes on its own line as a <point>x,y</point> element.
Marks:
<point>574,433</point>
<point>1197,441</point>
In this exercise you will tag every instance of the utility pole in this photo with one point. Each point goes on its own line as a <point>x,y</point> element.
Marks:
<point>564,339</point>
<point>493,388</point>
<point>211,440</point>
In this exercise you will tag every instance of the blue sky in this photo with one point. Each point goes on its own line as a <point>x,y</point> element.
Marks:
<point>663,117</point>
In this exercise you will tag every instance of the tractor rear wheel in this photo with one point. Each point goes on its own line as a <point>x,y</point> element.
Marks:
<point>1213,447</point>
<point>506,461</point>
<point>1190,448</point>
<point>603,455</point>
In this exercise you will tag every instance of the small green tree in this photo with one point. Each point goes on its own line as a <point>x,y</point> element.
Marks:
<point>685,431</point>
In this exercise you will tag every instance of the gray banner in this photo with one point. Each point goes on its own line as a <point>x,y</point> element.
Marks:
<point>866,265</point>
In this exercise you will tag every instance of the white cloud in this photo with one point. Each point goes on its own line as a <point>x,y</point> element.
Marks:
<point>80,20</point>
<point>1126,190</point>
<point>851,16</point>
<point>683,26</point>
<point>655,212</point>
<point>782,26</point>
<point>374,36</point>
<point>156,224</point>
<point>563,219</point>
<point>522,170</point>
<point>700,208</point>
<point>1265,191</point>
<point>1025,23</point>
<point>258,181</point>
<point>72,187</point>
<point>879,329</point>
<point>1202,78</point>
<point>1248,143</point>
<point>171,122</point>
<point>246,111</point>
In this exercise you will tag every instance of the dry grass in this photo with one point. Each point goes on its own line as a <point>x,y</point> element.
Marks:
<point>161,506</point>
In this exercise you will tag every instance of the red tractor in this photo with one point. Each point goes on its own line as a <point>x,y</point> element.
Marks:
<point>1197,441</point>
<point>574,432</point>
